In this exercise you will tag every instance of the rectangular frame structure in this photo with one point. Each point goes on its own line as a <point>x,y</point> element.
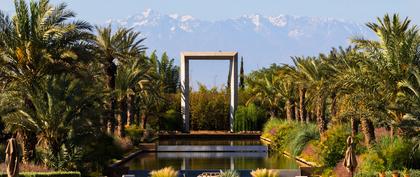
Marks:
<point>185,82</point>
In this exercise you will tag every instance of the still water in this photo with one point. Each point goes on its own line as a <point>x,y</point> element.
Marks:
<point>211,160</point>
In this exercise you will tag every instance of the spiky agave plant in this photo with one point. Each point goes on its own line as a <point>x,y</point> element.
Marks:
<point>229,173</point>
<point>164,172</point>
<point>265,173</point>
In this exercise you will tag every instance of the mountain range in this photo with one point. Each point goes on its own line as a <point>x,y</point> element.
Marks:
<point>260,40</point>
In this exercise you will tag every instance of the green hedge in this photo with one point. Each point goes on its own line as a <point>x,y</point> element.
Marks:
<point>47,174</point>
<point>413,173</point>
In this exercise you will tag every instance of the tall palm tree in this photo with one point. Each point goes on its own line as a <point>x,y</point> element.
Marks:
<point>128,77</point>
<point>316,74</point>
<point>394,54</point>
<point>111,48</point>
<point>410,97</point>
<point>39,40</point>
<point>168,73</point>
<point>61,104</point>
<point>265,90</point>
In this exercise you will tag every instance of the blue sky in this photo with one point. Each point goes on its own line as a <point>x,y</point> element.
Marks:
<point>360,11</point>
<point>98,11</point>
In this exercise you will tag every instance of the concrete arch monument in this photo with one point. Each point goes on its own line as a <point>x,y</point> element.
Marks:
<point>185,83</point>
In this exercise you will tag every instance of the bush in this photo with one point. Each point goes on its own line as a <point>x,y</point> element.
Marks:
<point>171,120</point>
<point>209,109</point>
<point>271,125</point>
<point>290,136</point>
<point>229,173</point>
<point>165,172</point>
<point>281,135</point>
<point>387,154</point>
<point>249,118</point>
<point>47,174</point>
<point>134,133</point>
<point>333,146</point>
<point>412,173</point>
<point>264,173</point>
<point>303,134</point>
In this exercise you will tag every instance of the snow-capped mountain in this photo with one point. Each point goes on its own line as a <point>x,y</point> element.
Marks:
<point>261,40</point>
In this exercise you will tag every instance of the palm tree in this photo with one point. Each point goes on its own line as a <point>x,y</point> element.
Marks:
<point>149,99</point>
<point>394,54</point>
<point>286,88</point>
<point>128,77</point>
<point>115,47</point>
<point>39,40</point>
<point>264,87</point>
<point>168,73</point>
<point>410,97</point>
<point>316,75</point>
<point>61,104</point>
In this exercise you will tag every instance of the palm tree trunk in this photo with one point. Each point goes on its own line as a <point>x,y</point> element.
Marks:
<point>296,106</point>
<point>320,115</point>
<point>29,143</point>
<point>288,110</point>
<point>333,108</point>
<point>29,138</point>
<point>368,130</point>
<point>308,116</point>
<point>130,110</point>
<point>143,120</point>
<point>122,117</point>
<point>111,71</point>
<point>354,126</point>
<point>302,113</point>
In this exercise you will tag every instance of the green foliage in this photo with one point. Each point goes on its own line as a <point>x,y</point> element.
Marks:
<point>134,133</point>
<point>164,172</point>
<point>249,118</point>
<point>333,146</point>
<point>372,163</point>
<point>303,134</point>
<point>411,172</point>
<point>290,136</point>
<point>171,120</point>
<point>229,173</point>
<point>270,126</point>
<point>209,109</point>
<point>281,135</point>
<point>47,174</point>
<point>387,154</point>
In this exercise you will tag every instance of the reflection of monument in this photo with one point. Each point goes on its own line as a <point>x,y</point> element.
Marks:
<point>185,83</point>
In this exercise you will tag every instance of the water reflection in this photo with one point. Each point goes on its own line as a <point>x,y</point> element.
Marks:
<point>211,160</point>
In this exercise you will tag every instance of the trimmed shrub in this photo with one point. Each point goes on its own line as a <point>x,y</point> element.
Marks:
<point>164,172</point>
<point>249,118</point>
<point>48,174</point>
<point>134,133</point>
